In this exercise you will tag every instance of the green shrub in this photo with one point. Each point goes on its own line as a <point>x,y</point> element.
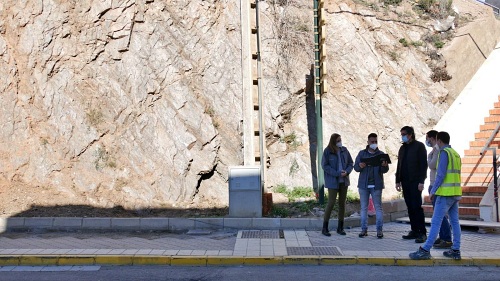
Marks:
<point>392,2</point>
<point>281,188</point>
<point>294,193</point>
<point>280,212</point>
<point>352,196</point>
<point>439,44</point>
<point>426,5</point>
<point>403,42</point>
<point>417,43</point>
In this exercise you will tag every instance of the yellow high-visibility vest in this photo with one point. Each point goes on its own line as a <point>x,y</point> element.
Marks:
<point>451,185</point>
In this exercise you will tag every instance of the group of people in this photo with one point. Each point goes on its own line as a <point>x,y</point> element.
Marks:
<point>444,190</point>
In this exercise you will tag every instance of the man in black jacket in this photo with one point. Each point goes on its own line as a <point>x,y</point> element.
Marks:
<point>410,176</point>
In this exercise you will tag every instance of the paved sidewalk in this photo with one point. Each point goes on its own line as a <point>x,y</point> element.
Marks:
<point>235,247</point>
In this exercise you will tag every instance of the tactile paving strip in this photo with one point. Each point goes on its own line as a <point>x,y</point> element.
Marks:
<point>261,234</point>
<point>316,251</point>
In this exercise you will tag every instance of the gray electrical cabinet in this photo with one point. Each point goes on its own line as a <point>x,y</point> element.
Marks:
<point>245,194</point>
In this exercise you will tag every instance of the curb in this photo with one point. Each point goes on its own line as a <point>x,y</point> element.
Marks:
<point>58,260</point>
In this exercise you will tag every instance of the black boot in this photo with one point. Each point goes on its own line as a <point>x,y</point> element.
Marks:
<point>325,229</point>
<point>340,228</point>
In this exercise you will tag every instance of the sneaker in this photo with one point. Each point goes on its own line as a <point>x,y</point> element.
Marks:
<point>443,245</point>
<point>380,234</point>
<point>438,241</point>
<point>411,235</point>
<point>363,233</point>
<point>454,254</point>
<point>421,254</point>
<point>421,238</point>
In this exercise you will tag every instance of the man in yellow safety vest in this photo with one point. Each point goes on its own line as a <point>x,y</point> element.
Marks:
<point>448,192</point>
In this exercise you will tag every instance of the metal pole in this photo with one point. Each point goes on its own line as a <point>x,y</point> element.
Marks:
<point>262,147</point>
<point>495,181</point>
<point>317,86</point>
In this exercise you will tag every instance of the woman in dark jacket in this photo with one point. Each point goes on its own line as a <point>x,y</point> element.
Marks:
<point>337,165</point>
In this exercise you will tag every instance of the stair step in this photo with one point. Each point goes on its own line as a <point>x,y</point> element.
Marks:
<point>473,151</point>
<point>477,144</point>
<point>493,118</point>
<point>476,151</point>
<point>474,189</point>
<point>477,160</point>
<point>497,104</point>
<point>477,169</point>
<point>462,211</point>
<point>481,180</point>
<point>470,200</point>
<point>495,111</point>
<point>485,127</point>
<point>486,134</point>
<point>476,174</point>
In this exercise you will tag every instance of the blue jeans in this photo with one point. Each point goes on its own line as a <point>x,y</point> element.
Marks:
<point>364,196</point>
<point>443,205</point>
<point>444,231</point>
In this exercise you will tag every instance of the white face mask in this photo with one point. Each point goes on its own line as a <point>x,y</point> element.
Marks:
<point>373,146</point>
<point>339,144</point>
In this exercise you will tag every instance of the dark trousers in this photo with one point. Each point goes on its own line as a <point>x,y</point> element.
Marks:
<point>332,197</point>
<point>413,200</point>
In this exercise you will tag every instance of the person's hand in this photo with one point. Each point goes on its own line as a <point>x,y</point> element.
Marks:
<point>420,186</point>
<point>384,164</point>
<point>343,173</point>
<point>431,196</point>
<point>398,186</point>
<point>362,165</point>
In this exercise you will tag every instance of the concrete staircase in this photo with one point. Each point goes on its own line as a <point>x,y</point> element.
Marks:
<point>477,169</point>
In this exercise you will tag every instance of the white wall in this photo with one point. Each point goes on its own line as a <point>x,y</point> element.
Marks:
<point>470,108</point>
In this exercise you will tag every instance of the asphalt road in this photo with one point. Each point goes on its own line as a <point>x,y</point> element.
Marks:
<point>244,273</point>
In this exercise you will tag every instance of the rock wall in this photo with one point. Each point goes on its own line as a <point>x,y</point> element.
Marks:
<point>138,102</point>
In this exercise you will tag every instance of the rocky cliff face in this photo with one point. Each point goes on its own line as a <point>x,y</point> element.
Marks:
<point>138,103</point>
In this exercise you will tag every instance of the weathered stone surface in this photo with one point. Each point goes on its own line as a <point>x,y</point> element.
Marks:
<point>138,103</point>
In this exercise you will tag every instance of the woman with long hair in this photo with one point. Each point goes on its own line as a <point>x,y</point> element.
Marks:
<point>337,165</point>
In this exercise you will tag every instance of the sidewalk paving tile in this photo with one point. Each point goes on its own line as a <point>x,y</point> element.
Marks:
<point>184,252</point>
<point>48,252</point>
<point>57,268</point>
<point>225,253</point>
<point>198,253</point>
<point>27,268</point>
<point>171,252</point>
<point>104,252</point>
<point>89,251</point>
<point>144,252</point>
<point>130,252</point>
